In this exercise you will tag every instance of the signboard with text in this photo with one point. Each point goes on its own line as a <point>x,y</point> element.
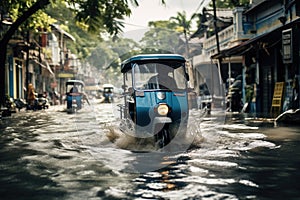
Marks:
<point>287,46</point>
<point>65,75</point>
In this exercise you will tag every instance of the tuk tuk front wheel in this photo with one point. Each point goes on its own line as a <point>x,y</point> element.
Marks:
<point>162,138</point>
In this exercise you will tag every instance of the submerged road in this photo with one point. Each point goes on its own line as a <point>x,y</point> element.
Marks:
<point>50,154</point>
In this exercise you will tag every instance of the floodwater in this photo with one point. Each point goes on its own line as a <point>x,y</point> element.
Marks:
<point>50,154</point>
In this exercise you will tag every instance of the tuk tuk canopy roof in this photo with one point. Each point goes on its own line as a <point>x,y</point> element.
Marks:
<point>146,58</point>
<point>75,82</point>
<point>107,85</point>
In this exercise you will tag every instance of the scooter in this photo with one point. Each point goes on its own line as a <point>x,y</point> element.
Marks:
<point>20,103</point>
<point>42,102</point>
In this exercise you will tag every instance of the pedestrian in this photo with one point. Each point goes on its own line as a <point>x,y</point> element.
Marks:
<point>31,96</point>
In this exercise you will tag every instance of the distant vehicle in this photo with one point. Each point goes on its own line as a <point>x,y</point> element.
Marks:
<point>92,90</point>
<point>75,95</point>
<point>204,98</point>
<point>108,93</point>
<point>155,96</point>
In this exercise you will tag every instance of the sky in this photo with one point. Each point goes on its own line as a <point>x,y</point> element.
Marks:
<point>153,10</point>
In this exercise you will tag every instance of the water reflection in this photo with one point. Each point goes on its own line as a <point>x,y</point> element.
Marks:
<point>54,155</point>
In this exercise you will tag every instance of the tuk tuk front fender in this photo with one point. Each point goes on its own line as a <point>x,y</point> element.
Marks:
<point>162,120</point>
<point>159,123</point>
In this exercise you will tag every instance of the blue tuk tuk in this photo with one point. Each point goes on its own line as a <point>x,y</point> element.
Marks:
<point>74,95</point>
<point>155,96</point>
<point>108,93</point>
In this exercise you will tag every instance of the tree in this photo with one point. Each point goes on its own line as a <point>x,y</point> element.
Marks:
<point>161,38</point>
<point>85,41</point>
<point>108,55</point>
<point>10,32</point>
<point>230,3</point>
<point>185,25</point>
<point>97,15</point>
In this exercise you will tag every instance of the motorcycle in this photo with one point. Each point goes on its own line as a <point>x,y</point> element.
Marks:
<point>155,96</point>
<point>20,103</point>
<point>10,107</point>
<point>42,102</point>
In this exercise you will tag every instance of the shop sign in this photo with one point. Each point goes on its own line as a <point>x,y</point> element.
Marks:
<point>287,46</point>
<point>65,75</point>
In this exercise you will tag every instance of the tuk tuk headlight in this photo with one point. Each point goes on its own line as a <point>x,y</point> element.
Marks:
<point>161,95</point>
<point>162,109</point>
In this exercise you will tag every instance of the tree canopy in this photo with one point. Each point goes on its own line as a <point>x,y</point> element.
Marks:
<point>95,15</point>
<point>230,3</point>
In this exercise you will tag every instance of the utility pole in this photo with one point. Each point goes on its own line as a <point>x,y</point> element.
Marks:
<point>215,26</point>
<point>217,42</point>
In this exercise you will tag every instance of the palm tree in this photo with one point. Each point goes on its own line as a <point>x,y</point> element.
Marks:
<point>184,25</point>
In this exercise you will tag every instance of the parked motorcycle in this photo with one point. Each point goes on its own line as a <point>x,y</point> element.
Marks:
<point>20,103</point>
<point>42,102</point>
<point>10,106</point>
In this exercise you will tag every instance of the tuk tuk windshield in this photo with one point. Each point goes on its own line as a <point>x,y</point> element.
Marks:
<point>149,76</point>
<point>74,87</point>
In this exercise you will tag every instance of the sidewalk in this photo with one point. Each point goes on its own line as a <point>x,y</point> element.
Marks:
<point>260,120</point>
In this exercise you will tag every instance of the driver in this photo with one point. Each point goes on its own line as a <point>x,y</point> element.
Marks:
<point>162,80</point>
<point>74,89</point>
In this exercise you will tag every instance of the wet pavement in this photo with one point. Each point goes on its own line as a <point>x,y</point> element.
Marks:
<point>50,154</point>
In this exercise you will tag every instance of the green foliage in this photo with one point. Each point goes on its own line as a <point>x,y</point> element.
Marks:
<point>161,38</point>
<point>85,41</point>
<point>36,22</point>
<point>102,13</point>
<point>230,3</point>
<point>182,23</point>
<point>108,54</point>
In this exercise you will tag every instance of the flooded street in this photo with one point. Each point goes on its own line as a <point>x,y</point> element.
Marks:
<point>50,154</point>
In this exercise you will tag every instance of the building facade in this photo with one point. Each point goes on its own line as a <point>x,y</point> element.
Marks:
<point>264,49</point>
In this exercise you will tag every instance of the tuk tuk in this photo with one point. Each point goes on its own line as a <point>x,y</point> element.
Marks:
<point>155,96</point>
<point>74,95</point>
<point>108,93</point>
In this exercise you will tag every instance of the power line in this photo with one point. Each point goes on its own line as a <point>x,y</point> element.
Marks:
<point>199,6</point>
<point>136,25</point>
